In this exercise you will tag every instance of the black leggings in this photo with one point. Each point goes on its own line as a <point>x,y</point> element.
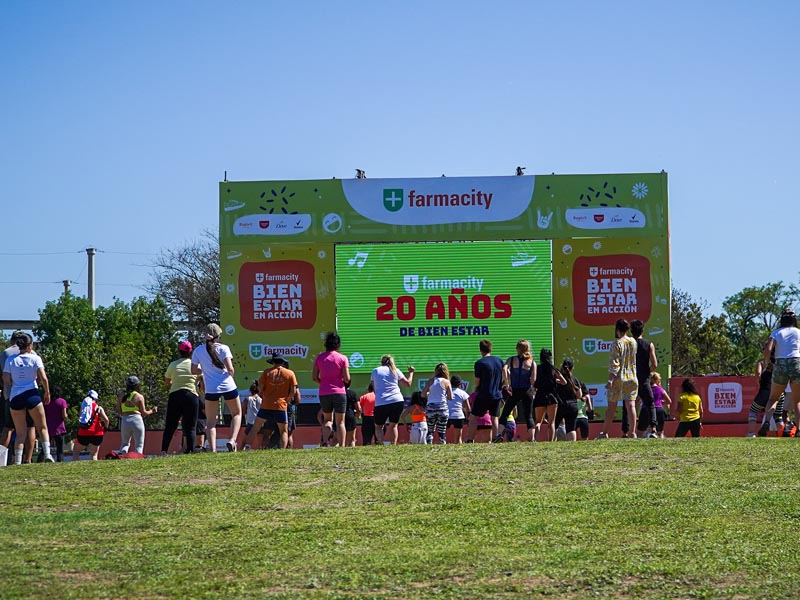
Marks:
<point>648,417</point>
<point>524,398</point>
<point>569,412</point>
<point>367,430</point>
<point>182,405</point>
<point>58,440</point>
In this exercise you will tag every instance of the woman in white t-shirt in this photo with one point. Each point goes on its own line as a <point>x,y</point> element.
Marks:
<point>22,374</point>
<point>439,392</point>
<point>389,400</point>
<point>215,362</point>
<point>457,408</point>
<point>786,342</point>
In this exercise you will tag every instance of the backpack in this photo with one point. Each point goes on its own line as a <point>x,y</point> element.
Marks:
<point>88,413</point>
<point>788,429</point>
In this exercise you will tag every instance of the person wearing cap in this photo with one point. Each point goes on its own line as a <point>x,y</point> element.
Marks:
<point>22,374</point>
<point>278,388</point>
<point>91,436</point>
<point>183,401</point>
<point>215,362</point>
<point>131,410</point>
<point>6,422</point>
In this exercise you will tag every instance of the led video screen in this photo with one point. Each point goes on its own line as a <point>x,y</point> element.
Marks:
<point>431,302</point>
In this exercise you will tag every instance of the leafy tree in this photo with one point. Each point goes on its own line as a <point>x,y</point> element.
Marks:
<point>70,348</point>
<point>87,349</point>
<point>699,345</point>
<point>753,313</point>
<point>187,277</point>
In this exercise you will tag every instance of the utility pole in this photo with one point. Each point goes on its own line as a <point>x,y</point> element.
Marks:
<point>90,252</point>
<point>67,283</point>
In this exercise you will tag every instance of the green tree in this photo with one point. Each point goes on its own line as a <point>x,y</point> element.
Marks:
<point>87,349</point>
<point>753,313</point>
<point>70,348</point>
<point>700,344</point>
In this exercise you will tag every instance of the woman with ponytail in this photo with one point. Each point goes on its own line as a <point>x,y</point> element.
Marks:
<point>389,400</point>
<point>22,374</point>
<point>215,362</point>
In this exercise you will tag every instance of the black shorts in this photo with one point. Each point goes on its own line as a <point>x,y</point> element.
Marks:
<point>692,427</point>
<point>94,440</point>
<point>27,400</point>
<point>5,414</point>
<point>542,399</point>
<point>233,394</point>
<point>390,412</point>
<point>661,416</point>
<point>456,423</point>
<point>485,405</point>
<point>349,421</point>
<point>333,403</point>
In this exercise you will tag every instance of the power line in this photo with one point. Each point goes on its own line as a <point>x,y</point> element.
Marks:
<point>76,252</point>
<point>130,253</point>
<point>32,282</point>
<point>38,253</point>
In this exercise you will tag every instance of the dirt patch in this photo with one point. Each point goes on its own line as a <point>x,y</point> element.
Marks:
<point>383,477</point>
<point>207,481</point>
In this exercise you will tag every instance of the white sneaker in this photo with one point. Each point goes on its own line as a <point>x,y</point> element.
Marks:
<point>602,436</point>
<point>48,458</point>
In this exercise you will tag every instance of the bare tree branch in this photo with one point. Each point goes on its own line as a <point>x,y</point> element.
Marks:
<point>187,277</point>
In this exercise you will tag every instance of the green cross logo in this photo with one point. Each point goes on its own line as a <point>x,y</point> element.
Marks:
<point>393,199</point>
<point>589,345</point>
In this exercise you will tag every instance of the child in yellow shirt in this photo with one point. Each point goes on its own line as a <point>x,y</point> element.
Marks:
<point>690,410</point>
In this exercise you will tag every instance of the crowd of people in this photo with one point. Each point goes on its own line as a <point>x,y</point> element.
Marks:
<point>553,403</point>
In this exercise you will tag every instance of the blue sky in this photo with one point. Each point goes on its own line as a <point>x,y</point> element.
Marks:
<point>117,119</point>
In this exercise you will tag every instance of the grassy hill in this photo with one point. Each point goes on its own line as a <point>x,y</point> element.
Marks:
<point>707,518</point>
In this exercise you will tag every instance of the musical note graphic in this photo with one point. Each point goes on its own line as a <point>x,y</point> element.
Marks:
<point>358,260</point>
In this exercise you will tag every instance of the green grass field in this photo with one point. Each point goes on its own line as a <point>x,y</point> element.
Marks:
<point>706,518</point>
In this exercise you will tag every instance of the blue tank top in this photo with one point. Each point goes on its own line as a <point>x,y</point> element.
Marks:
<point>520,377</point>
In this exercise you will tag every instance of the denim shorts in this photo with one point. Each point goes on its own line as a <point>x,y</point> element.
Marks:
<point>786,370</point>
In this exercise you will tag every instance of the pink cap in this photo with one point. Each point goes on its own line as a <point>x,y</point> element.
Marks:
<point>185,346</point>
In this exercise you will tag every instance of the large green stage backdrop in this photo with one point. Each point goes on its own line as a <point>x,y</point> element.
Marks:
<point>425,268</point>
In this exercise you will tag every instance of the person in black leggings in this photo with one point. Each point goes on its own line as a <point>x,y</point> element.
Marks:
<point>183,402</point>
<point>568,394</point>
<point>521,373</point>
